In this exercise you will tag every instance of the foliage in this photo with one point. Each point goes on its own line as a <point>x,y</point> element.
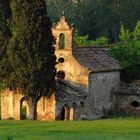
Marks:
<point>5,34</point>
<point>1,86</point>
<point>84,41</point>
<point>30,52</point>
<point>97,17</point>
<point>23,113</point>
<point>128,53</point>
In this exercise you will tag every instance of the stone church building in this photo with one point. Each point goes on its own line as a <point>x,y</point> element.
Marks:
<point>88,83</point>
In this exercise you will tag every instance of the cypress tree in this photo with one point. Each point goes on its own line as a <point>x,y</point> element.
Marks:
<point>5,34</point>
<point>31,51</point>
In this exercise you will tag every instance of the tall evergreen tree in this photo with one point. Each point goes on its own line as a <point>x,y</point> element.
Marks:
<point>30,51</point>
<point>5,34</point>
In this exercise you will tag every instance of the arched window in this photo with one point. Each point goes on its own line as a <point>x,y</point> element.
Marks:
<point>61,41</point>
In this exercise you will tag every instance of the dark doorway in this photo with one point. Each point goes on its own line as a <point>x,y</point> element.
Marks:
<point>63,114</point>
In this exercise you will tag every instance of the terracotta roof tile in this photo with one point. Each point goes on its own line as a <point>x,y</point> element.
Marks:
<point>96,58</point>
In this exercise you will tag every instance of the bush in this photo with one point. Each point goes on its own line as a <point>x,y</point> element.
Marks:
<point>127,51</point>
<point>84,41</point>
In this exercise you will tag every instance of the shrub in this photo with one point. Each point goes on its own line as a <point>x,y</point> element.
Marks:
<point>127,51</point>
<point>84,41</point>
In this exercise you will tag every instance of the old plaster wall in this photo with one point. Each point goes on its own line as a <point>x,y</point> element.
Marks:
<point>46,108</point>
<point>101,86</point>
<point>7,104</point>
<point>124,103</point>
<point>74,72</point>
<point>10,104</point>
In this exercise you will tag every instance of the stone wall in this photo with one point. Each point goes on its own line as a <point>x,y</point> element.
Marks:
<point>74,110</point>
<point>10,105</point>
<point>46,108</point>
<point>101,86</point>
<point>127,104</point>
<point>12,102</point>
<point>74,72</point>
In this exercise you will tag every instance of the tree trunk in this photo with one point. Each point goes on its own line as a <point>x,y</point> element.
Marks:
<point>33,108</point>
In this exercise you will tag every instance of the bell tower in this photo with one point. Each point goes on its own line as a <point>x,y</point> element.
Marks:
<point>63,34</point>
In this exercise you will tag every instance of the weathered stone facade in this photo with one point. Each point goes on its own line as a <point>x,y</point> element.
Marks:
<point>101,87</point>
<point>86,77</point>
<point>127,99</point>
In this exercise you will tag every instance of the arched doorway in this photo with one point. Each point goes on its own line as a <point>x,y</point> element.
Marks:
<point>72,111</point>
<point>23,108</point>
<point>64,113</point>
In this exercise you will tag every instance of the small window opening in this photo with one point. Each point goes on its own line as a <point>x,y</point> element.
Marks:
<point>61,60</point>
<point>135,104</point>
<point>61,75</point>
<point>82,103</point>
<point>61,41</point>
<point>10,88</point>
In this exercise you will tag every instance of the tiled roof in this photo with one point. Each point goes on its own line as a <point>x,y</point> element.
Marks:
<point>96,58</point>
<point>69,91</point>
<point>128,89</point>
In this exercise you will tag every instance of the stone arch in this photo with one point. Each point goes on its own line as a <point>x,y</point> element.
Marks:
<point>65,113</point>
<point>61,41</point>
<point>24,109</point>
<point>72,111</point>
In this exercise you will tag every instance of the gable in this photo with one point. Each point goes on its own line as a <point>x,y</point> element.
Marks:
<point>62,25</point>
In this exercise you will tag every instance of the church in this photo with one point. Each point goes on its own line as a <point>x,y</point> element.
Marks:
<point>88,85</point>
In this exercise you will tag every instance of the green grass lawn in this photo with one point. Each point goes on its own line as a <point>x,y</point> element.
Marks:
<point>113,129</point>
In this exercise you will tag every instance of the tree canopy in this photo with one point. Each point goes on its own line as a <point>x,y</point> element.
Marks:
<point>5,34</point>
<point>128,53</point>
<point>97,17</point>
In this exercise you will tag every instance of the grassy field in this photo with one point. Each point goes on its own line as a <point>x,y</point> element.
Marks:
<point>113,129</point>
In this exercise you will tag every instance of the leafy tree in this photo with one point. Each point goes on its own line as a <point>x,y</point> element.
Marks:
<point>30,51</point>
<point>58,8</point>
<point>84,41</point>
<point>97,17</point>
<point>128,53</point>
